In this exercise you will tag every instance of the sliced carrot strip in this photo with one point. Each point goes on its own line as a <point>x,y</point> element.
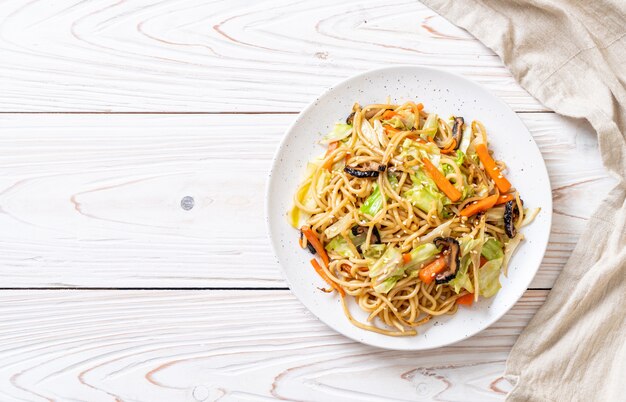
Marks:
<point>389,129</point>
<point>388,114</point>
<point>325,277</point>
<point>441,181</point>
<point>428,273</point>
<point>504,198</point>
<point>450,148</point>
<point>492,169</point>
<point>315,242</point>
<point>406,258</point>
<point>467,299</point>
<point>479,206</point>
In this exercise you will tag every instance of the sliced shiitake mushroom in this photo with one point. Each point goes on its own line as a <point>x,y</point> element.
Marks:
<point>309,246</point>
<point>451,250</point>
<point>350,119</point>
<point>511,213</point>
<point>362,230</point>
<point>457,131</point>
<point>371,169</point>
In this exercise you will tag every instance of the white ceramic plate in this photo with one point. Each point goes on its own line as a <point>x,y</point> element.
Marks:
<point>445,94</point>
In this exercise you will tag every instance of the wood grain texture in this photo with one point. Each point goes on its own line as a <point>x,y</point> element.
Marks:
<point>228,345</point>
<point>213,56</point>
<point>94,200</point>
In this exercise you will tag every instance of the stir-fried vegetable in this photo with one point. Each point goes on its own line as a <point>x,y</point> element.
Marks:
<point>340,246</point>
<point>320,272</point>
<point>429,272</point>
<point>388,265</point>
<point>430,126</point>
<point>479,206</point>
<point>441,181</point>
<point>467,299</point>
<point>312,238</point>
<point>492,169</point>
<point>489,278</point>
<point>339,132</point>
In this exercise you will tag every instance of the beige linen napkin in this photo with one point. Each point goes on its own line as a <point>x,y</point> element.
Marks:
<point>571,56</point>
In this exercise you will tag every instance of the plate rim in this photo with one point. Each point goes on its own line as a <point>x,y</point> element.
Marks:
<point>286,135</point>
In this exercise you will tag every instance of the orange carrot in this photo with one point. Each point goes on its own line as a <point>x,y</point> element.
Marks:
<point>467,299</point>
<point>479,206</point>
<point>428,273</point>
<point>492,170</point>
<point>441,181</point>
<point>406,258</point>
<point>388,114</point>
<point>331,147</point>
<point>325,277</point>
<point>450,148</point>
<point>312,238</point>
<point>389,129</point>
<point>505,198</point>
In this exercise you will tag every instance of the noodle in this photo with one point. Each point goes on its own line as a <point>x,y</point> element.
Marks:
<point>370,204</point>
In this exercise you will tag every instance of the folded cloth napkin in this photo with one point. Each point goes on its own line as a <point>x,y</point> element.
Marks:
<point>571,56</point>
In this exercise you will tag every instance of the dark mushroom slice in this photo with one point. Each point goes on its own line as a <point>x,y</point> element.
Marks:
<point>361,232</point>
<point>451,250</point>
<point>350,119</point>
<point>308,245</point>
<point>370,170</point>
<point>511,213</point>
<point>457,131</point>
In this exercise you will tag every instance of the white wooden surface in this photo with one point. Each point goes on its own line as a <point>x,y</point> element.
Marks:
<point>111,112</point>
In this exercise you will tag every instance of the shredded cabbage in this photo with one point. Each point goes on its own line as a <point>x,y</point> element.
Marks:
<point>509,249</point>
<point>342,224</point>
<point>424,198</point>
<point>529,216</point>
<point>495,214</point>
<point>380,132</point>
<point>492,249</point>
<point>424,194</point>
<point>403,120</point>
<point>339,132</point>
<point>460,157</point>
<point>374,252</point>
<point>462,279</point>
<point>368,132</point>
<point>413,150</point>
<point>373,203</point>
<point>441,230</point>
<point>386,285</point>
<point>387,265</point>
<point>467,244</point>
<point>430,125</point>
<point>339,245</point>
<point>489,277</point>
<point>421,254</point>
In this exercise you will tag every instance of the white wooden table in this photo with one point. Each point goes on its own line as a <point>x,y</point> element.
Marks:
<point>112,112</point>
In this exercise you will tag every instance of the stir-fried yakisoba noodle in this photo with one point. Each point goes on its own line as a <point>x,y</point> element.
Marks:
<point>409,214</point>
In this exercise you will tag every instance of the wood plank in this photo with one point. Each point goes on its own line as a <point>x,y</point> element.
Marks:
<point>95,200</point>
<point>238,345</point>
<point>221,55</point>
